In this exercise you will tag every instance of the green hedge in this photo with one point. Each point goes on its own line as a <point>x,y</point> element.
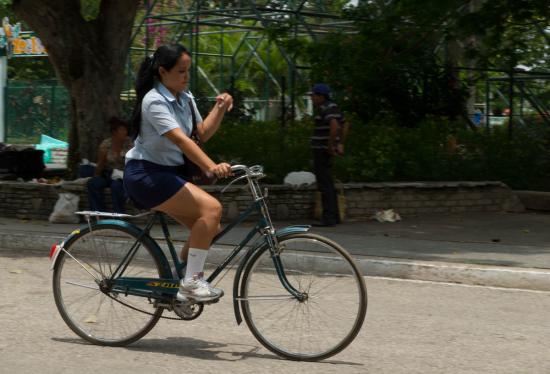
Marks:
<point>278,150</point>
<point>379,151</point>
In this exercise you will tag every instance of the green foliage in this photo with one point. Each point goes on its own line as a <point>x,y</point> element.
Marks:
<point>508,33</point>
<point>382,151</point>
<point>266,143</point>
<point>401,60</point>
<point>392,78</point>
<point>89,9</point>
<point>428,153</point>
<point>521,161</point>
<point>30,69</point>
<point>34,108</point>
<point>397,68</point>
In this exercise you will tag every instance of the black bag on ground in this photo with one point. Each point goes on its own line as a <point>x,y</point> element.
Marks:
<point>27,163</point>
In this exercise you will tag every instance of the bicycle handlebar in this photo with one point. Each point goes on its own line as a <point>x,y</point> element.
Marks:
<point>239,169</point>
<point>256,171</point>
<point>243,171</point>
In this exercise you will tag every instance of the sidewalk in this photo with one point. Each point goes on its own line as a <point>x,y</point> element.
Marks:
<point>494,249</point>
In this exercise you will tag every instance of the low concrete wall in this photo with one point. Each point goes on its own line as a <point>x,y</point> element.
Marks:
<point>534,200</point>
<point>35,201</point>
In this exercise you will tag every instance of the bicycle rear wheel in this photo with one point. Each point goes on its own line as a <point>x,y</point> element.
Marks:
<point>91,257</point>
<point>333,305</point>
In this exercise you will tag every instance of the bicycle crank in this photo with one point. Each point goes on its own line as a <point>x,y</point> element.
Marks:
<point>187,311</point>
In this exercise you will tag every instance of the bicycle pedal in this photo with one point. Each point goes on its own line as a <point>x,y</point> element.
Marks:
<point>210,301</point>
<point>191,300</point>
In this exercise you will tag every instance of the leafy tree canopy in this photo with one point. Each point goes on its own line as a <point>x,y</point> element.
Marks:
<point>402,59</point>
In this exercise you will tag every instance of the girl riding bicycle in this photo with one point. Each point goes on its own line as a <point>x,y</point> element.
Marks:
<point>163,122</point>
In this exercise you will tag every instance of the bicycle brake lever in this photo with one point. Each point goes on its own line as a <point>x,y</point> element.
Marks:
<point>233,181</point>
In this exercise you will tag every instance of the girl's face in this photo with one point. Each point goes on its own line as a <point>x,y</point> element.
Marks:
<point>177,78</point>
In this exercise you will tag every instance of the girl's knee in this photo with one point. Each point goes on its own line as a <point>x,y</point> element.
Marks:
<point>213,214</point>
<point>217,210</point>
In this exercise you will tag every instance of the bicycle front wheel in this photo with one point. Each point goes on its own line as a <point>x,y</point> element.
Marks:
<point>89,309</point>
<point>309,308</point>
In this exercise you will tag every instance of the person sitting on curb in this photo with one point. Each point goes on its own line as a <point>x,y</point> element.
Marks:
<point>108,172</point>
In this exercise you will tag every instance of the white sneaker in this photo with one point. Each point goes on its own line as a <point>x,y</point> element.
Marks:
<point>198,289</point>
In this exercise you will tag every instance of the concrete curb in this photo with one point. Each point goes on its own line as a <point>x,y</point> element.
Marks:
<point>471,274</point>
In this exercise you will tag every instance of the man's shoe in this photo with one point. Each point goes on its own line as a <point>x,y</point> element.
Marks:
<point>198,289</point>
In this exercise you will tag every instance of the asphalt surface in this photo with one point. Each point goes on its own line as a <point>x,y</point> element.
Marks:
<point>495,249</point>
<point>411,327</point>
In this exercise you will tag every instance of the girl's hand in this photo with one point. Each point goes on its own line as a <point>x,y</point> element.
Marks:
<point>224,101</point>
<point>221,170</point>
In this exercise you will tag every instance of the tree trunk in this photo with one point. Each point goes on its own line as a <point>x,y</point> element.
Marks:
<point>89,58</point>
<point>457,57</point>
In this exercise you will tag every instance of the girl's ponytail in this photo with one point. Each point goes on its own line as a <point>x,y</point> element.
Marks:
<point>144,83</point>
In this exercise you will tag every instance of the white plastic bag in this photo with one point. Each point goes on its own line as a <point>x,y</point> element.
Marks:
<point>299,178</point>
<point>388,215</point>
<point>65,208</point>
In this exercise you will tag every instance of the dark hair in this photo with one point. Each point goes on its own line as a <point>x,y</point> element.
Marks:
<point>115,123</point>
<point>166,56</point>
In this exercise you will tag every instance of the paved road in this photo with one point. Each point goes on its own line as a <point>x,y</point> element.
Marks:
<point>411,327</point>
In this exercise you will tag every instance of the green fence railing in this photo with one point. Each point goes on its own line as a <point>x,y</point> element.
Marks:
<point>34,108</point>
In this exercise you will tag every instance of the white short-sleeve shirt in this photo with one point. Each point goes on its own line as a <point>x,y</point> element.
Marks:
<point>160,113</point>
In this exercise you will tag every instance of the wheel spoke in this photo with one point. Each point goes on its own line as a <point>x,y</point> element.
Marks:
<point>267,298</point>
<point>322,323</point>
<point>95,316</point>
<point>94,287</point>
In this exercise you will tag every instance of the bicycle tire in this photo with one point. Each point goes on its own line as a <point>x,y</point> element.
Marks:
<point>283,324</point>
<point>95,316</point>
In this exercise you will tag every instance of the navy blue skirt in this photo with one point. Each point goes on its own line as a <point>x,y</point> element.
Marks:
<point>149,184</point>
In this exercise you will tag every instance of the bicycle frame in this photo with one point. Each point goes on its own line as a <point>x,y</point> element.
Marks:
<point>164,289</point>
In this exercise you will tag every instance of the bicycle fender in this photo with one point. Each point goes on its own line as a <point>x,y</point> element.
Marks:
<point>237,282</point>
<point>296,229</point>
<point>239,274</point>
<point>152,244</point>
<point>54,253</point>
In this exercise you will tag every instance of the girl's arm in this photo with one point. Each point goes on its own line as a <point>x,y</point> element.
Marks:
<point>196,154</point>
<point>211,124</point>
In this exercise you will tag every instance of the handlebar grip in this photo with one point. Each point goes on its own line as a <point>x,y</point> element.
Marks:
<point>239,169</point>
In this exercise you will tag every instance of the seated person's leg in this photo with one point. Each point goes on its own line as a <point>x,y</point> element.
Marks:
<point>85,171</point>
<point>95,193</point>
<point>118,195</point>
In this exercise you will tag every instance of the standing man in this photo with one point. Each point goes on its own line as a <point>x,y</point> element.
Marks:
<point>325,143</point>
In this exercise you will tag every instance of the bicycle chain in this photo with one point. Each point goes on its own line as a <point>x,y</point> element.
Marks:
<point>143,311</point>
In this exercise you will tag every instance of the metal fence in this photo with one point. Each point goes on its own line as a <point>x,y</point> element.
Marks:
<point>34,108</point>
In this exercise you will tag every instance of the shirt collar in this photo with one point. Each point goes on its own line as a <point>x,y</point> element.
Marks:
<point>161,88</point>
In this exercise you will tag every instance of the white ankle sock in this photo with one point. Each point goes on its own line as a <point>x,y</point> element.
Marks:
<point>195,262</point>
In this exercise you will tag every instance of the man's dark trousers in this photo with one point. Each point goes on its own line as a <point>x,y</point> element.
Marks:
<point>322,164</point>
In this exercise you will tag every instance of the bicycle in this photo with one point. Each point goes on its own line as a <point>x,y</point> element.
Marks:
<point>112,282</point>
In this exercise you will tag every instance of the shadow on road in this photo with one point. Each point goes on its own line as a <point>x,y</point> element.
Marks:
<point>201,349</point>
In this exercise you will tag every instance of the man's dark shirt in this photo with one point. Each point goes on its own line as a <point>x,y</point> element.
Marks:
<point>322,116</point>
